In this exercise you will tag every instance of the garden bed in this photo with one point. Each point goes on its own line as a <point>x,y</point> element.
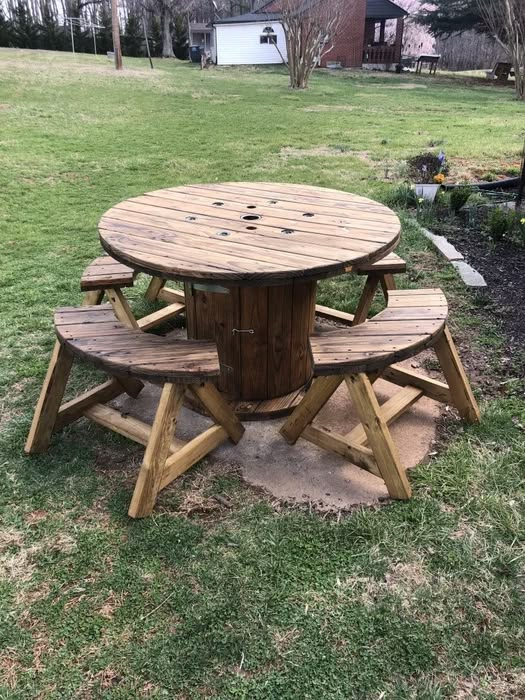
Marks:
<point>502,264</point>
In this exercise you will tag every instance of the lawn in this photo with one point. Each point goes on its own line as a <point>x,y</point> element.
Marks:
<point>258,600</point>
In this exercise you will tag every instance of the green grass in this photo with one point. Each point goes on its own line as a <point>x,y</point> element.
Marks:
<point>416,600</point>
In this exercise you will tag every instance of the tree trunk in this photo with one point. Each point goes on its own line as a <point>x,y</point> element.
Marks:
<point>167,40</point>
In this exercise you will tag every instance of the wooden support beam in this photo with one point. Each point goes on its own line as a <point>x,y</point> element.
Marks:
<point>92,298</point>
<point>314,399</point>
<point>220,411</point>
<point>334,315</point>
<point>379,438</point>
<point>192,452</point>
<point>74,409</point>
<point>388,283</point>
<point>160,316</point>
<point>431,387</point>
<point>366,299</point>
<point>460,392</point>
<point>154,287</point>
<point>121,307</point>
<point>171,295</point>
<point>390,411</point>
<point>49,401</point>
<point>333,442</point>
<point>157,451</point>
<point>129,427</point>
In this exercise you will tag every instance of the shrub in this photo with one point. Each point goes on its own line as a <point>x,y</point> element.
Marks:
<point>459,196</point>
<point>424,167</point>
<point>401,196</point>
<point>501,223</point>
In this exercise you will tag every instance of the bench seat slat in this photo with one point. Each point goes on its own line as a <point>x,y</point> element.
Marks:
<point>106,272</point>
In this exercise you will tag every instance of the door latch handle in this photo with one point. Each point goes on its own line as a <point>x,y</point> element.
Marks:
<point>243,330</point>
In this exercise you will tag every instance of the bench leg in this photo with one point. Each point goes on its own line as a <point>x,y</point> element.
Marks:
<point>388,283</point>
<point>315,398</point>
<point>92,298</point>
<point>154,287</point>
<point>121,307</point>
<point>365,302</point>
<point>219,410</point>
<point>48,404</point>
<point>378,434</point>
<point>458,383</point>
<point>157,451</point>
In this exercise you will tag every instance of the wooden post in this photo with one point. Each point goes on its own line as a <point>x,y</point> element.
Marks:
<point>157,451</point>
<point>115,30</point>
<point>366,299</point>
<point>313,401</point>
<point>400,28</point>
<point>147,42</point>
<point>46,410</point>
<point>460,391</point>
<point>378,434</point>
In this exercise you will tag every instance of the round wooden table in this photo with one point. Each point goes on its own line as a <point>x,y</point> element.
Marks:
<point>250,255</point>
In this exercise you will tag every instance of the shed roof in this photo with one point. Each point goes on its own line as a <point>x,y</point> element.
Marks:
<point>384,9</point>
<point>251,17</point>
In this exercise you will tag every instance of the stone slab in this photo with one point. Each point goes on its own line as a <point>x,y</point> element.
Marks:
<point>446,249</point>
<point>470,276</point>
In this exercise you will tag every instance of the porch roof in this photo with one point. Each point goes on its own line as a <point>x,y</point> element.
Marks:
<point>384,9</point>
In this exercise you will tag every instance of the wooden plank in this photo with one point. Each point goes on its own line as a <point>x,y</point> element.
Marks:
<point>121,308</point>
<point>92,298</point>
<point>460,390</point>
<point>74,409</point>
<point>405,377</point>
<point>379,438</point>
<point>315,398</point>
<point>192,452</point>
<point>279,339</point>
<point>391,263</point>
<point>171,295</point>
<point>154,287</point>
<point>125,425</point>
<point>301,365</point>
<point>49,401</point>
<point>390,411</point>
<point>160,316</point>
<point>254,345</point>
<point>366,299</point>
<point>334,315</point>
<point>157,450</point>
<point>333,442</point>
<point>219,410</point>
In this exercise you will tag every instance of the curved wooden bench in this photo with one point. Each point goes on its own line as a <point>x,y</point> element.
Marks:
<point>96,336</point>
<point>413,320</point>
<point>105,275</point>
<point>379,273</point>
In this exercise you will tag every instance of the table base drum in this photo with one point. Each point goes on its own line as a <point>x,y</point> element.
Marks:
<point>262,339</point>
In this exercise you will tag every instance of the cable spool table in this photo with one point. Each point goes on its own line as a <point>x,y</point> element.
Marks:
<point>250,255</point>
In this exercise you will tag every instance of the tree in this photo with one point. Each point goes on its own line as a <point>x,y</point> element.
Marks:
<point>24,28</point>
<point>133,36</point>
<point>180,31</point>
<point>446,17</point>
<point>506,22</point>
<point>6,30</point>
<point>309,27</point>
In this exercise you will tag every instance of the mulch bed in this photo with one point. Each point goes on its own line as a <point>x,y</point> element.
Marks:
<point>502,265</point>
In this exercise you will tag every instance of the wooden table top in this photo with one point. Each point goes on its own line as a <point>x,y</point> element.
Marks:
<point>253,233</point>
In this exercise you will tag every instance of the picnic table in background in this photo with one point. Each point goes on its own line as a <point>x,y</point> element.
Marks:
<point>250,256</point>
<point>431,60</point>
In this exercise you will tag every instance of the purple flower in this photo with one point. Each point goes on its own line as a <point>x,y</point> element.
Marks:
<point>441,157</point>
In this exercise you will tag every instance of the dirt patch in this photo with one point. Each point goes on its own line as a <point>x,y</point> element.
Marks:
<point>405,86</point>
<point>507,686</point>
<point>328,108</point>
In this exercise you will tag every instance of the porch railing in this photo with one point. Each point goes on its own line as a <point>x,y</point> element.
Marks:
<point>380,54</point>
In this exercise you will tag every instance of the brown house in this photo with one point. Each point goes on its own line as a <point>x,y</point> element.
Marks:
<point>370,35</point>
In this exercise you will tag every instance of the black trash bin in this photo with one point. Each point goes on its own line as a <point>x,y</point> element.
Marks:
<point>195,54</point>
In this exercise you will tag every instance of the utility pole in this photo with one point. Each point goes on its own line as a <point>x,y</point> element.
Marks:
<point>115,27</point>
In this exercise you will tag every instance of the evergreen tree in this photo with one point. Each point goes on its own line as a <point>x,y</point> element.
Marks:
<point>446,17</point>
<point>52,35</point>
<point>133,36</point>
<point>180,37</point>
<point>25,29</point>
<point>6,30</point>
<point>104,36</point>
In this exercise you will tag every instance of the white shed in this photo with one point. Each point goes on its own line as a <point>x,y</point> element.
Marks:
<point>246,42</point>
